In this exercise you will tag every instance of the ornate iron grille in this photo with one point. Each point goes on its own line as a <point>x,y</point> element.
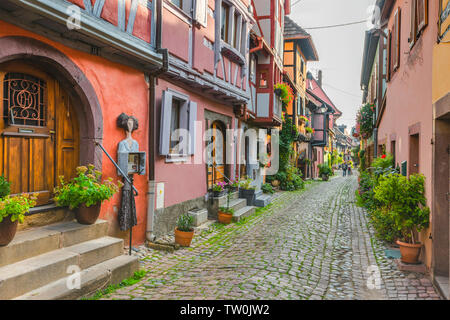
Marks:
<point>24,100</point>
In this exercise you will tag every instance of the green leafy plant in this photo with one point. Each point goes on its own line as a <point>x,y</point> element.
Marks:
<point>5,187</point>
<point>285,92</point>
<point>246,184</point>
<point>15,207</point>
<point>365,120</point>
<point>324,169</point>
<point>185,223</point>
<point>226,210</point>
<point>85,189</point>
<point>267,188</point>
<point>309,130</point>
<point>404,199</point>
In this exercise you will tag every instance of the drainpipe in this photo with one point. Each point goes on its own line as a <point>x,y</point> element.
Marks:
<point>153,124</point>
<point>259,47</point>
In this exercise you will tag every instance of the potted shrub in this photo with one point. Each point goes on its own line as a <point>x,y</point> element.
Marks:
<point>85,193</point>
<point>219,189</point>
<point>184,232</point>
<point>324,171</point>
<point>225,214</point>
<point>12,212</point>
<point>404,199</point>
<point>247,191</point>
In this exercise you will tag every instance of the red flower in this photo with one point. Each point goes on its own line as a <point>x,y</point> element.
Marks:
<point>383,156</point>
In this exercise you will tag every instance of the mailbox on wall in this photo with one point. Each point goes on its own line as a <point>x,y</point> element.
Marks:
<point>132,162</point>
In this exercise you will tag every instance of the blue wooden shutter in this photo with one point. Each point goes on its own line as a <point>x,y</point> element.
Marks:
<point>192,119</point>
<point>164,133</point>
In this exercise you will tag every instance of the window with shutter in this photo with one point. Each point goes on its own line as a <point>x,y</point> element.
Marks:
<point>422,15</point>
<point>201,12</point>
<point>419,19</point>
<point>177,132</point>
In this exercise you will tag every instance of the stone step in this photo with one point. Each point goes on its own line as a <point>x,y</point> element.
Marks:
<point>37,241</point>
<point>29,274</point>
<point>237,204</point>
<point>243,213</point>
<point>110,272</point>
<point>263,200</point>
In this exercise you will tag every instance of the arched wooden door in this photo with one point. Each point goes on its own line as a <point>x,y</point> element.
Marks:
<point>216,165</point>
<point>39,135</point>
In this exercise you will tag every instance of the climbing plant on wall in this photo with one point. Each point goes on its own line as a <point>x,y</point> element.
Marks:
<point>365,120</point>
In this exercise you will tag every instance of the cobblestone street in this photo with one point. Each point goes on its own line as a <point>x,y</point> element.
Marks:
<point>313,244</point>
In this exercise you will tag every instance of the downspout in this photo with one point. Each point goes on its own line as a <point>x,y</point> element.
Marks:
<point>153,124</point>
<point>259,47</point>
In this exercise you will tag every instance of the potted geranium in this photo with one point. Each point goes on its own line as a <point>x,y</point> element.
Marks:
<point>12,212</point>
<point>247,191</point>
<point>184,232</point>
<point>85,193</point>
<point>219,189</point>
<point>404,200</point>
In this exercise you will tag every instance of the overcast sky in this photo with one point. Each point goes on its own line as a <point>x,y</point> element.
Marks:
<point>340,49</point>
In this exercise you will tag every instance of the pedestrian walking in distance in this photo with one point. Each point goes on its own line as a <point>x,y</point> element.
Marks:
<point>344,169</point>
<point>349,170</point>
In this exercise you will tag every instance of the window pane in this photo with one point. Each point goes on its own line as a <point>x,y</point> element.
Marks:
<point>178,3</point>
<point>235,26</point>
<point>174,125</point>
<point>224,23</point>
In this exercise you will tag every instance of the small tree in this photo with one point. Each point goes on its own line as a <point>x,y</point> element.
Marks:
<point>404,199</point>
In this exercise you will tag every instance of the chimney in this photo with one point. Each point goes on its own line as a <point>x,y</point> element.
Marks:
<point>319,78</point>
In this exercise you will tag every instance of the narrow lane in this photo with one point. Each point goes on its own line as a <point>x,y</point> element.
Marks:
<point>314,244</point>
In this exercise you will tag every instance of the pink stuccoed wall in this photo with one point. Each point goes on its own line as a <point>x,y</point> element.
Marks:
<point>409,100</point>
<point>184,182</point>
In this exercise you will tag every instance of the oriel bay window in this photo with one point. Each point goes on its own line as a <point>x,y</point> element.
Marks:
<point>177,132</point>
<point>233,27</point>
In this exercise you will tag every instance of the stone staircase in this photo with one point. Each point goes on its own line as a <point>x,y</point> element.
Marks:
<point>241,210</point>
<point>39,263</point>
<point>262,199</point>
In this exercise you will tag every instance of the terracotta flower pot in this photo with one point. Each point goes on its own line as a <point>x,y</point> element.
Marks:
<point>87,215</point>
<point>7,231</point>
<point>225,218</point>
<point>275,183</point>
<point>410,252</point>
<point>325,177</point>
<point>183,238</point>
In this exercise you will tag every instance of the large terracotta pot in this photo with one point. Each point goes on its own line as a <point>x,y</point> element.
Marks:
<point>275,183</point>
<point>87,215</point>
<point>183,238</point>
<point>325,177</point>
<point>225,218</point>
<point>7,231</point>
<point>410,252</point>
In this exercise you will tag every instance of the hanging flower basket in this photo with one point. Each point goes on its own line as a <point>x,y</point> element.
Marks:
<point>284,91</point>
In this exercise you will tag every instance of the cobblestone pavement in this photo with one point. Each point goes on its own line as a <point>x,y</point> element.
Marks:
<point>312,244</point>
